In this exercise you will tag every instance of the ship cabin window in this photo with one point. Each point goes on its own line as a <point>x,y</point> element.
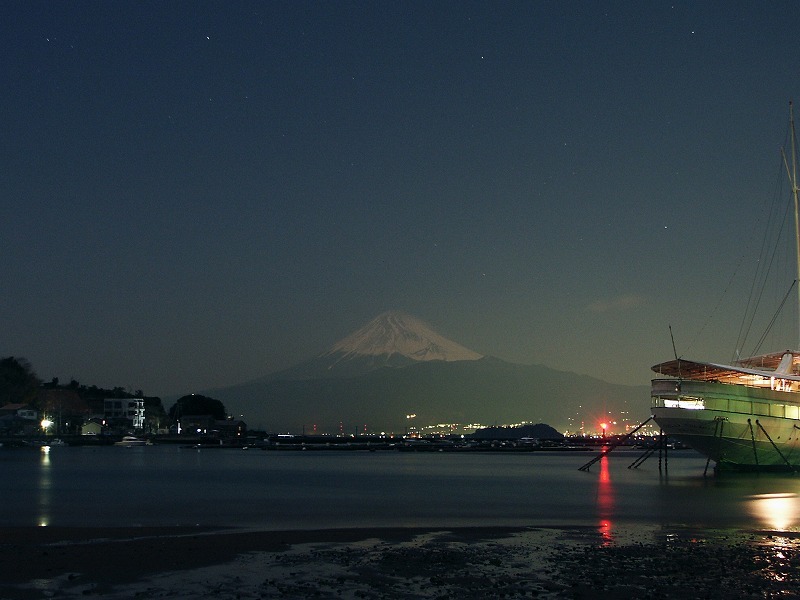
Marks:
<point>792,412</point>
<point>685,402</point>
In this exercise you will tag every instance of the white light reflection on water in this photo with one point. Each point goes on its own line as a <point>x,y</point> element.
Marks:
<point>45,485</point>
<point>776,512</point>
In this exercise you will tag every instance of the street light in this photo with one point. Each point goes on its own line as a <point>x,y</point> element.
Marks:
<point>46,424</point>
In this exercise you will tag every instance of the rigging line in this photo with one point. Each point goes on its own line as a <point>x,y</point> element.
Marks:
<point>761,274</point>
<point>774,318</point>
<point>717,305</point>
<point>733,276</point>
<point>765,274</point>
<point>744,326</point>
<point>672,337</point>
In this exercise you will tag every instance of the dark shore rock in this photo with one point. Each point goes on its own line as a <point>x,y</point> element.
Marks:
<point>462,563</point>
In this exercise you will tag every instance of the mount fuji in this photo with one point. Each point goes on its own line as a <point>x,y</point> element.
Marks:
<point>393,339</point>
<point>396,365</point>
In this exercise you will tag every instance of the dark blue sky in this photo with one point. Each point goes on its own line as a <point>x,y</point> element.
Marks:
<point>198,193</point>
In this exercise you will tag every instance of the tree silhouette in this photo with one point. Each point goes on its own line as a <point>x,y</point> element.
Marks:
<point>196,404</point>
<point>18,382</point>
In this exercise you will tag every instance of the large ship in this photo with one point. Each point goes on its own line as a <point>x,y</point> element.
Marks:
<point>744,415</point>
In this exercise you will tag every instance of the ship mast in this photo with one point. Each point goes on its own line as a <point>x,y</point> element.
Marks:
<point>793,181</point>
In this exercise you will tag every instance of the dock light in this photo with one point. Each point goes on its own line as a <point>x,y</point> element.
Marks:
<point>46,424</point>
<point>604,426</point>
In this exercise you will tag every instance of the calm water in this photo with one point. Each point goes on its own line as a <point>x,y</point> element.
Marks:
<point>167,485</point>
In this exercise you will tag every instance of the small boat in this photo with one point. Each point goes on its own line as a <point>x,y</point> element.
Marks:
<point>744,415</point>
<point>130,440</point>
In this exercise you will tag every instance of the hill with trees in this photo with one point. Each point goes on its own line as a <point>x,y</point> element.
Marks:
<point>19,384</point>
<point>197,404</point>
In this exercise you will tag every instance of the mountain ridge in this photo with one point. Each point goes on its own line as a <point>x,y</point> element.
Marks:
<point>489,391</point>
<point>365,385</point>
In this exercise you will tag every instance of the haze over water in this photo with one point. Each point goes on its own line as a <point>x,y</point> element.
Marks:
<point>167,486</point>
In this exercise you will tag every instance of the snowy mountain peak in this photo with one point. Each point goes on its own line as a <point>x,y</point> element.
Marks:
<point>397,333</point>
<point>393,339</point>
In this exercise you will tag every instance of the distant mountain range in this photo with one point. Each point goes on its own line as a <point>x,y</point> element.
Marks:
<point>397,366</point>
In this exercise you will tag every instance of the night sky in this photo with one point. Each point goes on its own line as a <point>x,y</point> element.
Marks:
<point>195,194</point>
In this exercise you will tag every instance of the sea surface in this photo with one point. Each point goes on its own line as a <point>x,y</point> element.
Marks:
<point>174,486</point>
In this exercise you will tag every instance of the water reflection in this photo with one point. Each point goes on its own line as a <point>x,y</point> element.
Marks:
<point>776,512</point>
<point>45,485</point>
<point>605,502</point>
<point>331,488</point>
<point>779,567</point>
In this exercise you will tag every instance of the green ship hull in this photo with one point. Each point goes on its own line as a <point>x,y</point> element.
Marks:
<point>737,426</point>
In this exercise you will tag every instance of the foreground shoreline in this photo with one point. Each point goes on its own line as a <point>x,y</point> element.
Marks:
<point>464,562</point>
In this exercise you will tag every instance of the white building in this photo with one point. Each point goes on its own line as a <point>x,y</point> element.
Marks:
<point>131,409</point>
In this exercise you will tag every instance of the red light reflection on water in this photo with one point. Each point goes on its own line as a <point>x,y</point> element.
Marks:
<point>605,502</point>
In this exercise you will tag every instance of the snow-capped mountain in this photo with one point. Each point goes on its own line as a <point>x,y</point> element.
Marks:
<point>395,332</point>
<point>392,339</point>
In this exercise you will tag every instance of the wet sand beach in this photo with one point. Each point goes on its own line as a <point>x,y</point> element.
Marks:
<point>475,562</point>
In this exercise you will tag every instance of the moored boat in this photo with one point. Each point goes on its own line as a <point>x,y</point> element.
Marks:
<point>744,415</point>
<point>740,417</point>
<point>130,440</point>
